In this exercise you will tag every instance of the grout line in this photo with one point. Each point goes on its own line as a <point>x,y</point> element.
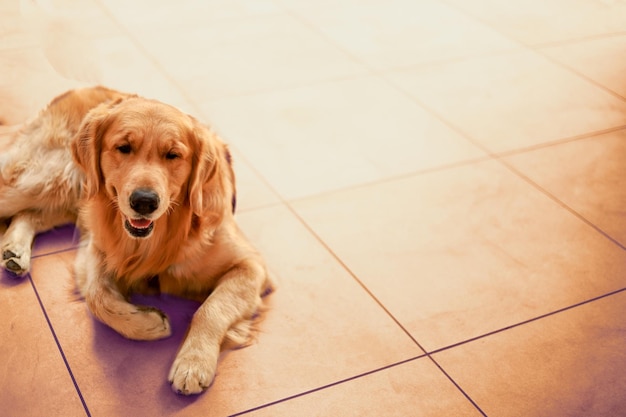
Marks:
<point>538,48</point>
<point>376,72</point>
<point>551,143</point>
<point>471,15</point>
<point>332,42</point>
<point>457,59</point>
<point>489,154</point>
<point>353,275</point>
<point>370,72</point>
<point>362,285</point>
<point>197,109</point>
<point>127,33</point>
<point>58,343</point>
<point>457,386</point>
<point>392,178</point>
<point>382,306</point>
<point>332,384</point>
<point>380,75</point>
<point>579,74</point>
<point>289,87</point>
<point>437,116</point>
<point>555,199</point>
<point>56,252</point>
<point>374,298</point>
<point>433,352</point>
<point>498,157</point>
<point>522,323</point>
<point>581,39</point>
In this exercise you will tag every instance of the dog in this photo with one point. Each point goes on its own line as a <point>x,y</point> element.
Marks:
<point>152,192</point>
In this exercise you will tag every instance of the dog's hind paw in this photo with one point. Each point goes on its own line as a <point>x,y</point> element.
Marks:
<point>14,263</point>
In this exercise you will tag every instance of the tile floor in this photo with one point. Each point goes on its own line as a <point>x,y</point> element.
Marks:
<point>438,186</point>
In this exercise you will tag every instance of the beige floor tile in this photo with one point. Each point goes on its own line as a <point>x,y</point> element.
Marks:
<point>459,253</point>
<point>400,33</point>
<point>34,381</point>
<point>54,27</point>
<point>321,327</point>
<point>240,56</point>
<point>68,18</point>
<point>14,31</point>
<point>252,190</point>
<point>588,175</point>
<point>115,62</point>
<point>142,15</point>
<point>28,84</point>
<point>47,24</point>
<point>319,138</point>
<point>513,100</point>
<point>590,58</point>
<point>417,388</point>
<point>541,21</point>
<point>569,364</point>
<point>453,245</point>
<point>124,66</point>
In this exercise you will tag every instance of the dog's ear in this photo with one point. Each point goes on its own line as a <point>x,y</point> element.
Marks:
<point>87,145</point>
<point>211,183</point>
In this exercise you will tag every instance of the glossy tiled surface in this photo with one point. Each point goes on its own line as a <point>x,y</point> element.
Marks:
<point>513,100</point>
<point>567,364</point>
<point>437,186</point>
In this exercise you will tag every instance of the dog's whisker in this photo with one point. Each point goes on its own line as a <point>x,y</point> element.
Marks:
<point>114,205</point>
<point>173,206</point>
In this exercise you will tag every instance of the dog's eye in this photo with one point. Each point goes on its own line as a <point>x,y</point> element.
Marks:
<point>125,149</point>
<point>171,155</point>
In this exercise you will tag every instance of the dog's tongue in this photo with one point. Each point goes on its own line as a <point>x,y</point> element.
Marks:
<point>140,223</point>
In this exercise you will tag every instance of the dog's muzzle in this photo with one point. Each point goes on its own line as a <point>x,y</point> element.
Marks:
<point>139,227</point>
<point>144,202</point>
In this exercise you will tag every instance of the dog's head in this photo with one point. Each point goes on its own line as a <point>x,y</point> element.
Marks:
<point>149,159</point>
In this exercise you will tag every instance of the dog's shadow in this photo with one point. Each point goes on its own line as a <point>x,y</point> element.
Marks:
<point>137,371</point>
<point>9,279</point>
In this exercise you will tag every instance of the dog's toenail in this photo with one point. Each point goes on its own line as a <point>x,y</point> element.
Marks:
<point>13,266</point>
<point>7,254</point>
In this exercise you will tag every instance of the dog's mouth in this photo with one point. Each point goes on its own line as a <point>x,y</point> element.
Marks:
<point>139,227</point>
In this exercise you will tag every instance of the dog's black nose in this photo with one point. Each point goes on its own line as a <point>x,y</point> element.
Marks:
<point>144,201</point>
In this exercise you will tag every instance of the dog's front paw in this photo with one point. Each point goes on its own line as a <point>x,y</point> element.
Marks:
<point>145,323</point>
<point>192,372</point>
<point>15,260</point>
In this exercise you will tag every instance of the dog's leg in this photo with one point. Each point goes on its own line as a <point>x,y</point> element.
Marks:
<point>108,305</point>
<point>18,239</point>
<point>17,243</point>
<point>236,298</point>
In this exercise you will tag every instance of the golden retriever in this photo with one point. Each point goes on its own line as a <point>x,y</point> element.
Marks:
<point>153,194</point>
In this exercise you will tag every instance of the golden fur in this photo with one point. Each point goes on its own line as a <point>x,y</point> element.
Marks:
<point>152,191</point>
